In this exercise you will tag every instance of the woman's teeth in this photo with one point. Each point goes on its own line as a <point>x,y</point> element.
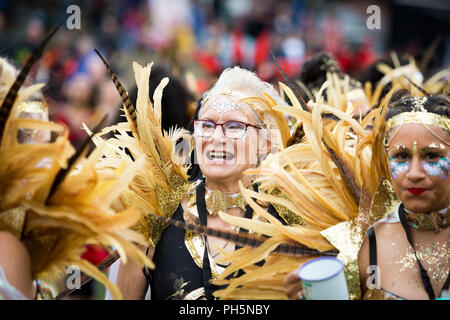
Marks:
<point>212,155</point>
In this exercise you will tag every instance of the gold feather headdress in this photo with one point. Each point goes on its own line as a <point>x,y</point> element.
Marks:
<point>54,201</point>
<point>161,180</point>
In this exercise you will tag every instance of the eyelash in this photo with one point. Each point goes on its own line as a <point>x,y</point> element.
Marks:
<point>432,155</point>
<point>401,156</point>
<point>428,157</point>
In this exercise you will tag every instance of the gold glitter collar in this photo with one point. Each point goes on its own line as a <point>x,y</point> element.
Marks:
<point>218,201</point>
<point>419,117</point>
<point>436,220</point>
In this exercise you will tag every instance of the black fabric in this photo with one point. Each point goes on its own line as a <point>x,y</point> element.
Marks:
<point>38,290</point>
<point>174,264</point>
<point>202,212</point>
<point>446,285</point>
<point>372,246</point>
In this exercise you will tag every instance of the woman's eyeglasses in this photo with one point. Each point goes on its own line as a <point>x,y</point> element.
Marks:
<point>231,129</point>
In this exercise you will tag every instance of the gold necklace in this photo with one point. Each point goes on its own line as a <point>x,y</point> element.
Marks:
<point>218,201</point>
<point>426,221</point>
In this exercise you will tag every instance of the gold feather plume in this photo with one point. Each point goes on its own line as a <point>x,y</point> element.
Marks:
<point>408,77</point>
<point>78,212</point>
<point>320,177</point>
<point>266,105</point>
<point>162,179</point>
<point>438,83</point>
<point>55,226</point>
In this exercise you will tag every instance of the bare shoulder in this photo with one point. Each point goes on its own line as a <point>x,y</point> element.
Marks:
<point>15,262</point>
<point>12,247</point>
<point>383,230</point>
<point>386,230</point>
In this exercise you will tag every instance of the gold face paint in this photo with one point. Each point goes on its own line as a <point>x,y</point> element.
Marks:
<point>400,148</point>
<point>434,146</point>
<point>415,150</point>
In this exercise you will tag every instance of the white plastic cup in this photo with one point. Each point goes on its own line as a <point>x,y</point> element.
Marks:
<point>323,279</point>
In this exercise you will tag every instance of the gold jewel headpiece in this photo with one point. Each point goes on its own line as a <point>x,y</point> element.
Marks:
<point>223,106</point>
<point>419,117</point>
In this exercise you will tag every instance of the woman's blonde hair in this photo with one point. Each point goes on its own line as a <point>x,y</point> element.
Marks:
<point>243,81</point>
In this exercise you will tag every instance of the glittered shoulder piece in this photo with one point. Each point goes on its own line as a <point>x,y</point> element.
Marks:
<point>380,294</point>
<point>13,221</point>
<point>287,215</point>
<point>168,202</point>
<point>348,236</point>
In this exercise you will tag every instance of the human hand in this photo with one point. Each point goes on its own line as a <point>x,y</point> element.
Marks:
<point>293,286</point>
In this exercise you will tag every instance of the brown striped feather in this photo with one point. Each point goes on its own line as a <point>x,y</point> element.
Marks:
<point>130,110</point>
<point>246,240</point>
<point>10,98</point>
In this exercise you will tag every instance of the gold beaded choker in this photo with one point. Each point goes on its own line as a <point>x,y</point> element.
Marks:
<point>218,201</point>
<point>436,220</point>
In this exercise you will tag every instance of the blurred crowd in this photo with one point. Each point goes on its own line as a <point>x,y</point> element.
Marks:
<point>191,41</point>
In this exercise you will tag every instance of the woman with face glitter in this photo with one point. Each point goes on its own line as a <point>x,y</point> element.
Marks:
<point>233,132</point>
<point>408,252</point>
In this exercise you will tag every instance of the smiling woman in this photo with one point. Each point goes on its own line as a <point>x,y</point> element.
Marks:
<point>231,135</point>
<point>224,155</point>
<point>411,246</point>
<point>235,129</point>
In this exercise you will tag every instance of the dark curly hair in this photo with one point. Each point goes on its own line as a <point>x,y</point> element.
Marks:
<point>314,72</point>
<point>402,101</point>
